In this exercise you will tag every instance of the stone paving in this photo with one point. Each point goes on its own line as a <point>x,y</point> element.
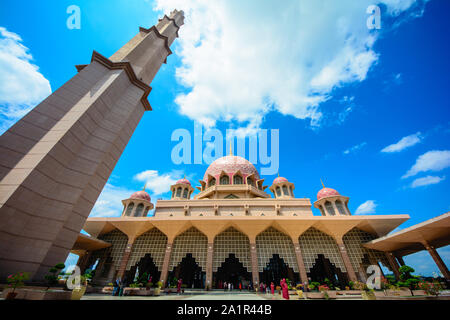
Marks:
<point>196,295</point>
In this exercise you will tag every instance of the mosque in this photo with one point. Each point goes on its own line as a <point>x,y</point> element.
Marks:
<point>233,230</point>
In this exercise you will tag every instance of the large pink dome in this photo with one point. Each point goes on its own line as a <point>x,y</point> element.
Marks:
<point>231,165</point>
<point>141,195</point>
<point>327,192</point>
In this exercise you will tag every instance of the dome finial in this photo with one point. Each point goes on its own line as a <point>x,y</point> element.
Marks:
<point>145,186</point>
<point>322,183</point>
<point>231,149</point>
<point>278,174</point>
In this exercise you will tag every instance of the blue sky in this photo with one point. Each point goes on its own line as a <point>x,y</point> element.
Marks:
<point>365,110</point>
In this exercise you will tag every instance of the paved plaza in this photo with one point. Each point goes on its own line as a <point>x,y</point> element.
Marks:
<point>192,295</point>
<point>198,295</point>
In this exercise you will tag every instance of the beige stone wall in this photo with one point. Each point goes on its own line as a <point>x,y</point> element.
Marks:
<point>197,211</point>
<point>235,211</point>
<point>267,211</point>
<point>291,211</point>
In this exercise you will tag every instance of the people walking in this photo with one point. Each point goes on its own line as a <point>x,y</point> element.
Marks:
<point>272,288</point>
<point>225,286</point>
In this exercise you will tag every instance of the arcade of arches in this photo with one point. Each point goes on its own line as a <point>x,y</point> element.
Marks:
<point>232,257</point>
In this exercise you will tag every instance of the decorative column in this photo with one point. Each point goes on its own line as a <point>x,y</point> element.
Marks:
<point>348,265</point>
<point>337,212</point>
<point>209,266</point>
<point>125,258</point>
<point>83,260</point>
<point>437,259</point>
<point>300,263</point>
<point>394,264</point>
<point>400,260</point>
<point>165,267</point>
<point>254,257</point>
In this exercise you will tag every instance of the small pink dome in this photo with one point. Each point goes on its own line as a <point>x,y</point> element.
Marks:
<point>327,192</point>
<point>142,195</point>
<point>280,180</point>
<point>183,181</point>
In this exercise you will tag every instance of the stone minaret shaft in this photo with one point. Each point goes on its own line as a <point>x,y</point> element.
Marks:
<point>55,161</point>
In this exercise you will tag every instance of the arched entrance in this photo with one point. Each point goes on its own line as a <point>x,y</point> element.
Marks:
<point>106,262</point>
<point>189,271</point>
<point>146,270</point>
<point>361,257</point>
<point>322,258</point>
<point>324,270</point>
<point>188,259</point>
<point>231,259</point>
<point>232,271</point>
<point>276,270</point>
<point>147,255</point>
<point>276,257</point>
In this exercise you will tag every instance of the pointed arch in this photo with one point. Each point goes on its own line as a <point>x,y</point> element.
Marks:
<point>224,179</point>
<point>231,241</point>
<point>361,257</point>
<point>191,241</point>
<point>314,242</point>
<point>152,242</point>
<point>272,242</point>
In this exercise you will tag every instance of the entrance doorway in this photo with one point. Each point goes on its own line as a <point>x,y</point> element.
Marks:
<point>146,268</point>
<point>276,270</point>
<point>324,269</point>
<point>231,270</point>
<point>190,272</point>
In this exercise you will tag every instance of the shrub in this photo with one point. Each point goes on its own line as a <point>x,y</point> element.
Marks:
<point>324,289</point>
<point>159,284</point>
<point>17,280</point>
<point>52,278</point>
<point>314,285</point>
<point>431,288</point>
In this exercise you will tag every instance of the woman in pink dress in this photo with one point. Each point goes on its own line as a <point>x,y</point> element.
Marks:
<point>180,282</point>
<point>272,288</point>
<point>285,289</point>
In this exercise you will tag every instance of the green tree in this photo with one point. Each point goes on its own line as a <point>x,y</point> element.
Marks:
<point>407,279</point>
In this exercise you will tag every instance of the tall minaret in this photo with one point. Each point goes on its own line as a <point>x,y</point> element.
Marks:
<point>55,161</point>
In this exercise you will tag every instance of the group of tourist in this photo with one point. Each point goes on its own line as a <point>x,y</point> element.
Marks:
<point>263,287</point>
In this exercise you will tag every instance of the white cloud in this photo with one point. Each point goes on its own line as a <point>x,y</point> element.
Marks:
<point>355,148</point>
<point>22,86</point>
<point>425,181</point>
<point>404,143</point>
<point>158,184</point>
<point>430,161</point>
<point>109,203</point>
<point>241,59</point>
<point>367,207</point>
